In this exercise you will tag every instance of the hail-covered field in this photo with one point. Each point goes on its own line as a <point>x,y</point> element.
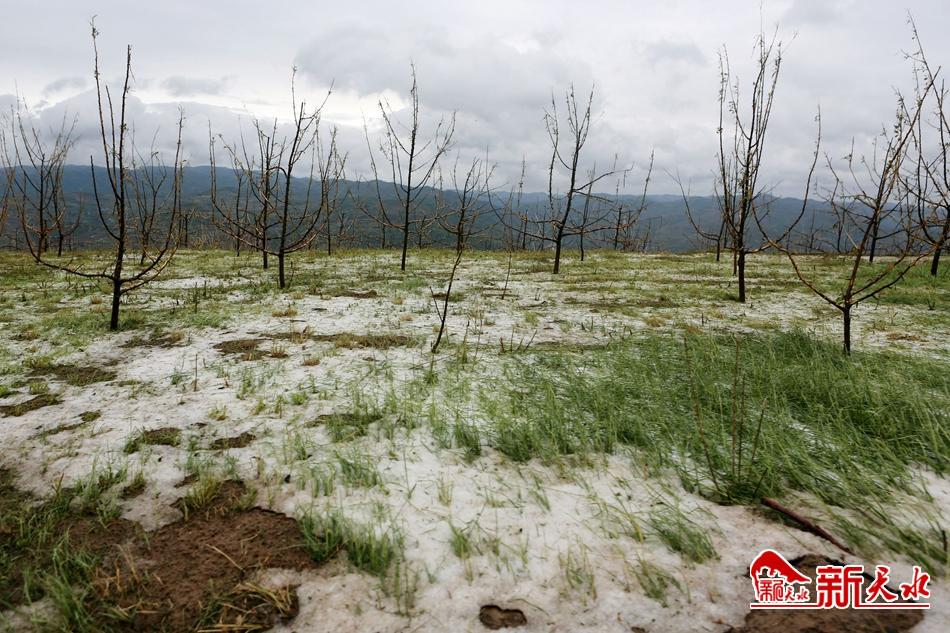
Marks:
<point>584,451</point>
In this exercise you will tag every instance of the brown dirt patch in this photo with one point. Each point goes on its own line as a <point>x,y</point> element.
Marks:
<point>238,441</point>
<point>828,620</point>
<point>246,348</point>
<point>494,617</point>
<point>34,532</point>
<point>165,436</point>
<point>357,294</point>
<point>349,340</point>
<point>167,339</point>
<point>75,375</point>
<point>292,337</point>
<point>34,403</point>
<point>198,572</point>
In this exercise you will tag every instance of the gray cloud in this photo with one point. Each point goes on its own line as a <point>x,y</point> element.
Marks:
<point>495,63</point>
<point>673,52</point>
<point>178,86</point>
<point>64,84</point>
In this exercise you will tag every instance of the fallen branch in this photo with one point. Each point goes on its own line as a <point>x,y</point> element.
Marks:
<point>808,525</point>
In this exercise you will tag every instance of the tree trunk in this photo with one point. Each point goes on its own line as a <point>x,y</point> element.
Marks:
<point>405,238</point>
<point>280,270</point>
<point>116,296</point>
<point>876,227</point>
<point>740,268</point>
<point>846,317</point>
<point>557,251</point>
<point>935,262</point>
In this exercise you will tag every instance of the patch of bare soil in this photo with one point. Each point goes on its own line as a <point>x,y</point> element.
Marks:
<point>34,533</point>
<point>246,348</point>
<point>495,617</point>
<point>165,436</point>
<point>238,441</point>
<point>349,340</point>
<point>198,573</point>
<point>292,337</point>
<point>75,375</point>
<point>357,294</point>
<point>34,403</point>
<point>167,339</point>
<point>828,620</point>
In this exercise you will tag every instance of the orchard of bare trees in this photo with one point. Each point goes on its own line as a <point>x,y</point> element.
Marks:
<point>281,187</point>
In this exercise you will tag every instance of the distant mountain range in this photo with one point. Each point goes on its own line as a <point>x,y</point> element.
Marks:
<point>664,219</point>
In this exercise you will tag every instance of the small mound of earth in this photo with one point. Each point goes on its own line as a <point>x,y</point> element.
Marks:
<point>238,441</point>
<point>198,572</point>
<point>495,617</point>
<point>828,620</point>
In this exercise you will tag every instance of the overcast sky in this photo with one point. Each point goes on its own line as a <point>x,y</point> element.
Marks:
<point>654,65</point>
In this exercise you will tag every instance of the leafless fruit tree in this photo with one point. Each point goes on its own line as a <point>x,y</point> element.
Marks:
<point>719,238</point>
<point>34,163</point>
<point>566,160</point>
<point>930,178</point>
<point>628,234</point>
<point>472,197</point>
<point>234,209</point>
<point>332,193</point>
<point>288,219</point>
<point>741,149</point>
<point>412,161</point>
<point>513,231</point>
<point>115,200</point>
<point>874,184</point>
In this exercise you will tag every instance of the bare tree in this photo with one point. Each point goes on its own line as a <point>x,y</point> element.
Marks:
<point>931,174</point>
<point>113,201</point>
<point>472,199</point>
<point>741,149</point>
<point>875,187</point>
<point>513,232</point>
<point>64,226</point>
<point>234,209</point>
<point>34,164</point>
<point>284,223</point>
<point>566,158</point>
<point>468,202</point>
<point>706,235</point>
<point>412,160</point>
<point>332,175</point>
<point>628,216</point>
<point>150,193</point>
